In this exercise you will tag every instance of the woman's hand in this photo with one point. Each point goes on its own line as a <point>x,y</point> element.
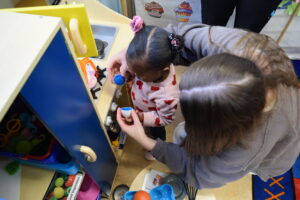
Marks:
<point>297,1</point>
<point>136,130</point>
<point>117,65</point>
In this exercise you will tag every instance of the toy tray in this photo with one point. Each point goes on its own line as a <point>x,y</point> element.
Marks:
<point>162,192</point>
<point>70,167</point>
<point>70,185</point>
<point>58,160</point>
<point>57,155</point>
<point>44,155</point>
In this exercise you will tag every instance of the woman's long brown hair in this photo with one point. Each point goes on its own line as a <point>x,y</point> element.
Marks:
<point>222,98</point>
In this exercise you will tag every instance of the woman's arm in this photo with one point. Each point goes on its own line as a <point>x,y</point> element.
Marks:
<point>202,172</point>
<point>201,40</point>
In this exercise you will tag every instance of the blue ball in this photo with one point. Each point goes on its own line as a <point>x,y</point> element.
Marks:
<point>119,79</point>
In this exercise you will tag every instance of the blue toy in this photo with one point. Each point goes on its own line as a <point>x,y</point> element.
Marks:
<point>119,79</point>
<point>27,120</point>
<point>162,192</point>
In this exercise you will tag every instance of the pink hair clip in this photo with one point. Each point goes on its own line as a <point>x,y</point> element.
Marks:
<point>136,24</point>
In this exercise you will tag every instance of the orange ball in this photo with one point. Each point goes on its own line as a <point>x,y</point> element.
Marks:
<point>141,195</point>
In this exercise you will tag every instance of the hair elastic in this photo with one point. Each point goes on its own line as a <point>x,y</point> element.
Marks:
<point>176,43</point>
<point>136,24</point>
<point>174,40</point>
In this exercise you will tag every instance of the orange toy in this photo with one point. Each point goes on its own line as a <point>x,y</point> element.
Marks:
<point>12,126</point>
<point>89,71</point>
<point>141,195</point>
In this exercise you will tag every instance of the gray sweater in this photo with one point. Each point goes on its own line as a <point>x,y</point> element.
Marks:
<point>271,149</point>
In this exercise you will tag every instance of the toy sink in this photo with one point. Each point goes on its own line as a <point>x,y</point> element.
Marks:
<point>106,34</point>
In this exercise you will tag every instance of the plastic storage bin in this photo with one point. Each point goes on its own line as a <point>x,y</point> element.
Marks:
<point>88,189</point>
<point>64,186</point>
<point>162,192</point>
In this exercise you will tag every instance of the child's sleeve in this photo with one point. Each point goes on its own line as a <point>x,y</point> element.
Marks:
<point>165,108</point>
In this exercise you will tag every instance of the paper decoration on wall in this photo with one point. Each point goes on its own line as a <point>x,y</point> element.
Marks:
<point>183,11</point>
<point>154,9</point>
<point>164,12</point>
<point>289,6</point>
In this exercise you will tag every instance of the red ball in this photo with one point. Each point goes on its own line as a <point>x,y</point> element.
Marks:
<point>141,195</point>
<point>70,181</point>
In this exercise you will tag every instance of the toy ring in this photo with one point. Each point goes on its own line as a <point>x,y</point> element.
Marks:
<point>3,140</point>
<point>13,126</point>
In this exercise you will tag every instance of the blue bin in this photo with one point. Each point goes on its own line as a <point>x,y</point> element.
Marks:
<point>162,192</point>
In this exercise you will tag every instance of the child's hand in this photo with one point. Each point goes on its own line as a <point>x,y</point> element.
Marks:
<point>117,64</point>
<point>140,115</point>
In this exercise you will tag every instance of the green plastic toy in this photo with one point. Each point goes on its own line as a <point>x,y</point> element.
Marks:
<point>12,167</point>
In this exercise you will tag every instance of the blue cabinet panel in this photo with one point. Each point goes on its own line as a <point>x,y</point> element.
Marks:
<point>57,94</point>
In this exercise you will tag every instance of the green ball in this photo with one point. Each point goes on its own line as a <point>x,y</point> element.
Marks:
<point>59,182</point>
<point>53,198</point>
<point>58,192</point>
<point>24,147</point>
<point>68,190</point>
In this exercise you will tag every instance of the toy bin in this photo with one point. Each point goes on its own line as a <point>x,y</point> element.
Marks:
<point>88,190</point>
<point>58,160</point>
<point>64,186</point>
<point>24,138</point>
<point>164,192</point>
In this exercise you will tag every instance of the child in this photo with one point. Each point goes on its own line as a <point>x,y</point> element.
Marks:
<point>154,91</point>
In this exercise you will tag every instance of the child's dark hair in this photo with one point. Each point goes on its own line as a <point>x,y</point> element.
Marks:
<point>153,48</point>
<point>222,99</point>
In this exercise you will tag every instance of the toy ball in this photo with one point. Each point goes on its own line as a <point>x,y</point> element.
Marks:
<point>58,192</point>
<point>59,182</point>
<point>70,181</point>
<point>53,198</point>
<point>68,190</point>
<point>119,79</point>
<point>24,147</point>
<point>141,195</point>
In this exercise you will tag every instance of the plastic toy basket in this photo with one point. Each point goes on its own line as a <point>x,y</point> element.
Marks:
<point>162,192</point>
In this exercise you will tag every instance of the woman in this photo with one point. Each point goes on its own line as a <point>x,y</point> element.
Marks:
<point>241,108</point>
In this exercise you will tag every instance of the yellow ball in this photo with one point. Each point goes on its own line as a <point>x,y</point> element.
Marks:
<point>59,182</point>
<point>58,192</point>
